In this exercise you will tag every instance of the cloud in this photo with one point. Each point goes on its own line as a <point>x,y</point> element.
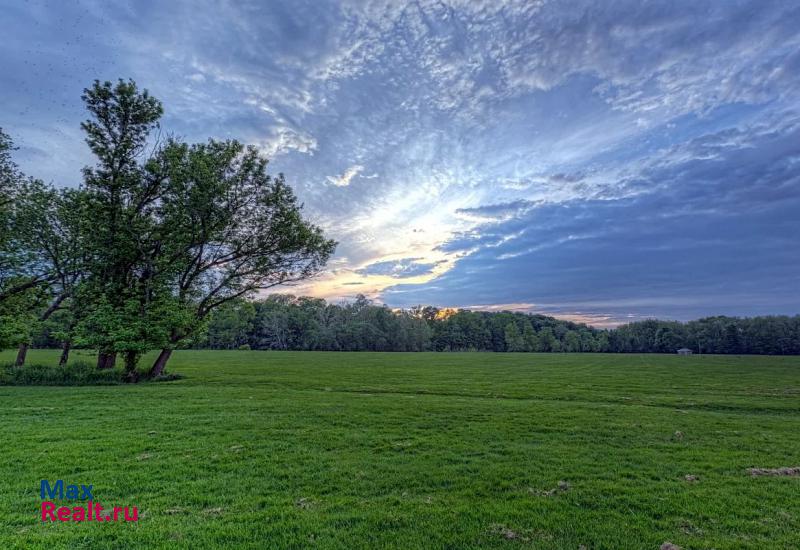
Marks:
<point>346,177</point>
<point>405,267</point>
<point>282,140</point>
<point>496,212</point>
<point>715,234</point>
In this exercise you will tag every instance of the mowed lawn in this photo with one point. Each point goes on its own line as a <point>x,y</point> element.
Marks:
<point>370,450</point>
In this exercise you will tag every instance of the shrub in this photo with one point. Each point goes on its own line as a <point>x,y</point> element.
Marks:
<point>244,347</point>
<point>74,374</point>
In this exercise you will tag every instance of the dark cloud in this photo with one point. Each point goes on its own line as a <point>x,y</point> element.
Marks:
<point>717,233</point>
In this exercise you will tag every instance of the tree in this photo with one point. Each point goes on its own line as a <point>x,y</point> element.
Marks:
<point>548,341</point>
<point>125,303</point>
<point>49,226</point>
<point>230,229</point>
<point>529,337</point>
<point>20,272</point>
<point>22,275</point>
<point>231,325</point>
<point>514,341</point>
<point>666,340</point>
<point>9,179</point>
<point>732,343</point>
<point>571,342</point>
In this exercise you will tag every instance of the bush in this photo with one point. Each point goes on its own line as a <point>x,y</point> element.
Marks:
<point>74,374</point>
<point>244,347</point>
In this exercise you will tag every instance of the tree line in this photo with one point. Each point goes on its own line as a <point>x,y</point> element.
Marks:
<point>159,235</point>
<point>285,322</point>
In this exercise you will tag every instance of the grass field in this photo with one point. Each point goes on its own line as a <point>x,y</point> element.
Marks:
<point>337,450</point>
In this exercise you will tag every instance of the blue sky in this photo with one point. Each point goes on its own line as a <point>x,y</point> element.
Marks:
<point>602,161</point>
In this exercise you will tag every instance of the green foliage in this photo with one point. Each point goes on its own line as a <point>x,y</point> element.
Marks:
<point>122,119</point>
<point>513,338</point>
<point>18,316</point>
<point>773,335</point>
<point>377,450</point>
<point>231,324</point>
<point>530,339</point>
<point>47,225</point>
<point>285,322</point>
<point>231,229</point>
<point>21,273</point>
<point>10,178</point>
<point>74,374</point>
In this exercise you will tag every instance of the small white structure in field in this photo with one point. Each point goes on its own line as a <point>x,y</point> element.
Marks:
<point>684,351</point>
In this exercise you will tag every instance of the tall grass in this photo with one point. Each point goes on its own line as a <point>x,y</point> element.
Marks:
<point>74,374</point>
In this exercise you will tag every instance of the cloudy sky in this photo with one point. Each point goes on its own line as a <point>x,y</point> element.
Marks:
<point>595,160</point>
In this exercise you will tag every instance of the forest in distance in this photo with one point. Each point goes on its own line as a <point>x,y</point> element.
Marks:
<point>286,322</point>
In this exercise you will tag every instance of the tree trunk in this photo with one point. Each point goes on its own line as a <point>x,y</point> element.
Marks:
<point>131,359</point>
<point>22,352</point>
<point>106,360</point>
<point>161,363</point>
<point>65,347</point>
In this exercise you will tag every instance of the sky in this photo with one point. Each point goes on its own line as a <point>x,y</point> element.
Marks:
<point>597,161</point>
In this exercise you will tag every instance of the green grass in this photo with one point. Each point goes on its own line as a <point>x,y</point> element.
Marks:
<point>336,450</point>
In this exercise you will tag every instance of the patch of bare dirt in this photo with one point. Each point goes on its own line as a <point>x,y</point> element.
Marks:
<point>689,528</point>
<point>507,533</point>
<point>562,487</point>
<point>669,546</point>
<point>691,478</point>
<point>305,503</point>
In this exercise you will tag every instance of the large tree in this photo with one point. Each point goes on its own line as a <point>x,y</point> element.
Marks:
<point>230,230</point>
<point>178,231</point>
<point>119,294</point>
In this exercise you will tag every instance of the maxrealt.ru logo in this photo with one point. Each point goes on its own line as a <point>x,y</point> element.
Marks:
<point>92,511</point>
